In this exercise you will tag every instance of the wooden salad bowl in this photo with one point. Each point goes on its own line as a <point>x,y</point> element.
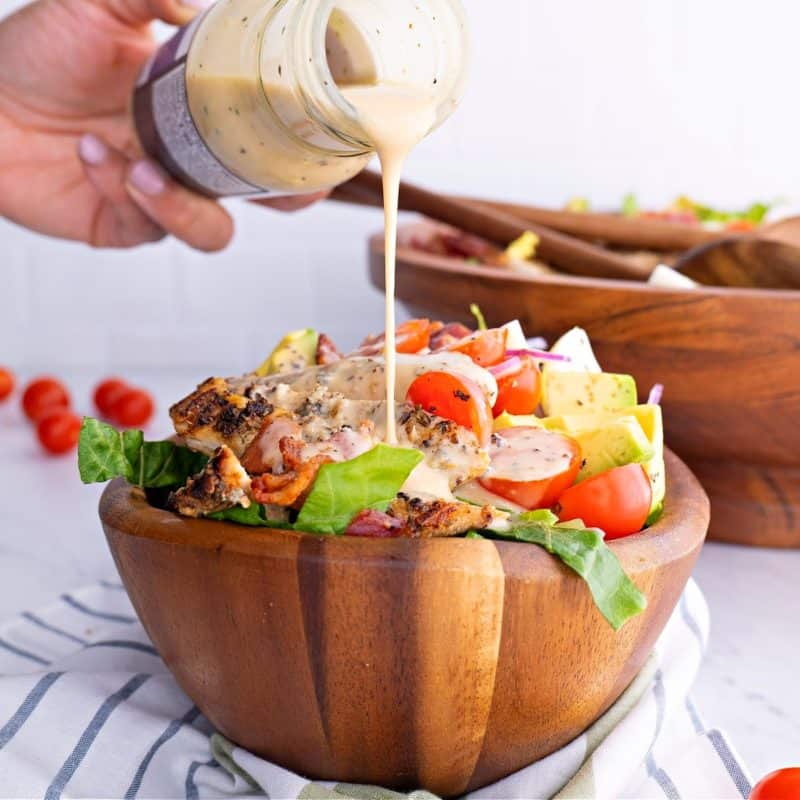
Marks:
<point>443,663</point>
<point>729,359</point>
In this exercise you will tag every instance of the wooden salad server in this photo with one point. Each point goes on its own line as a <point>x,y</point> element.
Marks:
<point>744,262</point>
<point>565,252</point>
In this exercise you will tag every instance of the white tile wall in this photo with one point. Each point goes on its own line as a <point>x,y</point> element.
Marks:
<point>569,97</point>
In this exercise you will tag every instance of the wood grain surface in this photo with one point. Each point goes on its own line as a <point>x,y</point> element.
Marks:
<point>729,359</point>
<point>443,664</point>
<point>744,262</point>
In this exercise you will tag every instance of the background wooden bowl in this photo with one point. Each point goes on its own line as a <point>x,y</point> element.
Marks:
<point>729,358</point>
<point>446,663</point>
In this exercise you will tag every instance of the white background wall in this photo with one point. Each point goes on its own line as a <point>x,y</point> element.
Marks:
<point>568,97</point>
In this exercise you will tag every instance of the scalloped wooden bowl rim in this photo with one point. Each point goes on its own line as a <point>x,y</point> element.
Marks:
<point>453,264</point>
<point>682,525</point>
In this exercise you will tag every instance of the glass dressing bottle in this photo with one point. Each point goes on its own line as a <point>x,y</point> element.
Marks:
<point>248,100</point>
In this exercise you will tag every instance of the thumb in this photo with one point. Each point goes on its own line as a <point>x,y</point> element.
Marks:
<point>140,12</point>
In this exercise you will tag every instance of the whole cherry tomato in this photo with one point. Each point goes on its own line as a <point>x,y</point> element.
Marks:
<point>781,785</point>
<point>6,383</point>
<point>107,392</point>
<point>133,408</point>
<point>618,501</point>
<point>58,430</point>
<point>42,395</point>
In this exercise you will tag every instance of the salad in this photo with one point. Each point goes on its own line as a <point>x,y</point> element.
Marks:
<point>495,439</point>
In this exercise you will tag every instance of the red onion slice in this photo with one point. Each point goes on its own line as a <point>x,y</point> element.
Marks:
<point>540,355</point>
<point>656,393</point>
<point>506,369</point>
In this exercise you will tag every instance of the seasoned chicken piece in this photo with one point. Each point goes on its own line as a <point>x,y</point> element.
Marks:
<point>327,423</point>
<point>222,484</point>
<point>214,414</point>
<point>360,378</point>
<point>427,519</point>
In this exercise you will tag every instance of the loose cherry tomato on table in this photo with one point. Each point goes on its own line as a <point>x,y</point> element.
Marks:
<point>532,466</point>
<point>107,392</point>
<point>132,408</point>
<point>42,395</point>
<point>58,430</point>
<point>781,785</point>
<point>485,348</point>
<point>456,398</point>
<point>618,501</point>
<point>519,386</point>
<point>6,383</point>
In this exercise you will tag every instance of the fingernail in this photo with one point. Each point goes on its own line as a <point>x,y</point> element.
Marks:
<point>147,178</point>
<point>196,4</point>
<point>92,150</point>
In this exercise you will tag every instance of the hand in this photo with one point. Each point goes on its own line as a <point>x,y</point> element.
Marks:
<point>70,163</point>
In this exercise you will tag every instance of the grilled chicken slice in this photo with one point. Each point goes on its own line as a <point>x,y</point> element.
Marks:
<point>214,415</point>
<point>253,415</point>
<point>427,519</point>
<point>222,484</point>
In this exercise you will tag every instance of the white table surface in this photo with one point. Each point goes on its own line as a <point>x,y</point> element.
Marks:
<point>51,542</point>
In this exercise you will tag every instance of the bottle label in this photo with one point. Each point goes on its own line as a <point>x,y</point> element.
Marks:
<point>166,129</point>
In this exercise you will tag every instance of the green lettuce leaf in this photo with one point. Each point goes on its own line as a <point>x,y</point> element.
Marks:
<point>105,453</point>
<point>342,490</point>
<point>255,516</point>
<point>585,551</point>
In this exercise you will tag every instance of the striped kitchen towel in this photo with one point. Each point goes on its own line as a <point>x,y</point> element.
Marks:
<point>88,710</point>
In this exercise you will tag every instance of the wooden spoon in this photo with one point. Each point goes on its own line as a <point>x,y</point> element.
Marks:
<point>744,262</point>
<point>561,250</point>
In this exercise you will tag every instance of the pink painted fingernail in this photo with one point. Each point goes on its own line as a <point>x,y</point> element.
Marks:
<point>92,150</point>
<point>147,178</point>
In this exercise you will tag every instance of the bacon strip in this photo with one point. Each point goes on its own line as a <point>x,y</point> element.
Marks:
<point>290,488</point>
<point>327,351</point>
<point>375,525</point>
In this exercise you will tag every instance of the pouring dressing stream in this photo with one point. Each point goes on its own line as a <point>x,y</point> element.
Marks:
<point>396,118</point>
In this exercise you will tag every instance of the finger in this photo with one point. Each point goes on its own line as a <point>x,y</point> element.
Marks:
<point>200,222</point>
<point>118,221</point>
<point>139,12</point>
<point>295,203</point>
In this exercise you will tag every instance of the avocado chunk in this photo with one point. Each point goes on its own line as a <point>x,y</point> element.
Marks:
<point>295,352</point>
<point>607,443</point>
<point>586,392</point>
<point>651,424</point>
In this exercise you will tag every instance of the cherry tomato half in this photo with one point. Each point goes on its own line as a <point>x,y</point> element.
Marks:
<point>532,466</point>
<point>6,383</point>
<point>42,395</point>
<point>485,348</point>
<point>618,501</point>
<point>410,338</point>
<point>58,431</point>
<point>519,391</point>
<point>132,408</point>
<point>456,398</point>
<point>781,785</point>
<point>107,392</point>
<point>414,335</point>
